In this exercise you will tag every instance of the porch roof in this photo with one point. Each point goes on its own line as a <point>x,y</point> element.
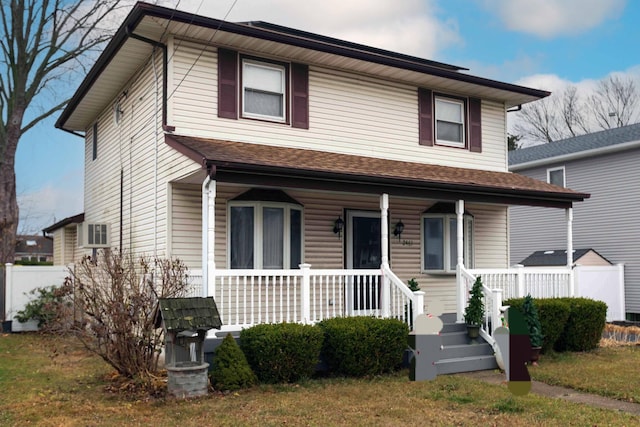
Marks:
<point>281,166</point>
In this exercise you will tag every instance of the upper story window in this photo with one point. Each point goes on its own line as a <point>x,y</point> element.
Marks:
<point>450,128</point>
<point>449,121</point>
<point>265,233</point>
<point>94,138</point>
<point>263,90</point>
<point>555,176</point>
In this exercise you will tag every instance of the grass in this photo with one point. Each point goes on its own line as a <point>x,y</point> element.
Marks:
<point>71,389</point>
<point>608,371</point>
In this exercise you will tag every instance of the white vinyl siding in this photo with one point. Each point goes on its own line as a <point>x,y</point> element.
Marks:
<point>348,113</point>
<point>137,149</point>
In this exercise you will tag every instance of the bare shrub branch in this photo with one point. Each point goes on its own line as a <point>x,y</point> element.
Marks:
<point>116,298</point>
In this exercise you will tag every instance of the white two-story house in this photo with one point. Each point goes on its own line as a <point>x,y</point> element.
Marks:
<point>299,175</point>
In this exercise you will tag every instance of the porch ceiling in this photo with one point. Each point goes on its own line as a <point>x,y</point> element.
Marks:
<point>257,163</point>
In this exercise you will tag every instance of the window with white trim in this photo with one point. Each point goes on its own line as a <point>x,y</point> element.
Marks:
<point>439,242</point>
<point>265,235</point>
<point>555,176</point>
<point>450,127</point>
<point>93,235</point>
<point>263,90</point>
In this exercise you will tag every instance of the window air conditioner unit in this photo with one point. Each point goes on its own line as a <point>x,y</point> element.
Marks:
<point>92,235</point>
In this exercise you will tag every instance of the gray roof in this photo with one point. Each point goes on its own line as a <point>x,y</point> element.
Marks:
<point>556,257</point>
<point>189,314</point>
<point>591,141</point>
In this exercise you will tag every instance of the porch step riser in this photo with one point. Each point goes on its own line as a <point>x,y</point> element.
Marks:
<point>453,352</point>
<point>466,364</point>
<point>456,338</point>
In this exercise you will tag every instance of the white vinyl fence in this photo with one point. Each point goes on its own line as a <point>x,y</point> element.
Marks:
<point>603,283</point>
<point>20,280</point>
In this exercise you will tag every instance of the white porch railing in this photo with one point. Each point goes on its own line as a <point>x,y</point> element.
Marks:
<point>502,284</point>
<point>517,282</point>
<point>250,297</point>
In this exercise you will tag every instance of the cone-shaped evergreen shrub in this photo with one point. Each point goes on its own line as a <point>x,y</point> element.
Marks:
<point>230,369</point>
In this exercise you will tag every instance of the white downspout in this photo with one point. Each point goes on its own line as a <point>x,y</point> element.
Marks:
<point>569,215</point>
<point>208,234</point>
<point>460,288</point>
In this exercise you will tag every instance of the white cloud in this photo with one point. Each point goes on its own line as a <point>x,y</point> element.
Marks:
<point>46,205</point>
<point>550,18</point>
<point>407,26</point>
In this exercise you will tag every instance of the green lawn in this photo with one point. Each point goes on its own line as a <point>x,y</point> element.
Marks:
<point>72,388</point>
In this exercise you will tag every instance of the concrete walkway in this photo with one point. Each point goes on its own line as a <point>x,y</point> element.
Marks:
<point>537,387</point>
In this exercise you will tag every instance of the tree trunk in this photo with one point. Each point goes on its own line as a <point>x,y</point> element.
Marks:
<point>8,200</point>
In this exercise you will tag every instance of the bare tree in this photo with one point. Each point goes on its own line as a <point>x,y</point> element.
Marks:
<point>573,112</point>
<point>567,114</point>
<point>539,121</point>
<point>41,41</point>
<point>615,102</point>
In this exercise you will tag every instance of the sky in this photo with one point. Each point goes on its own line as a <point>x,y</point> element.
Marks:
<point>544,44</point>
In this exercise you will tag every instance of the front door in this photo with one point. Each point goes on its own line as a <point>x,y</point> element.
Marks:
<point>363,252</point>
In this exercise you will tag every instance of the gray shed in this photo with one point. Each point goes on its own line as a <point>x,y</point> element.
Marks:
<point>558,258</point>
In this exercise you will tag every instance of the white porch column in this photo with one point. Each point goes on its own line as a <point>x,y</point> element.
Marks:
<point>460,288</point>
<point>384,252</point>
<point>569,215</point>
<point>208,236</point>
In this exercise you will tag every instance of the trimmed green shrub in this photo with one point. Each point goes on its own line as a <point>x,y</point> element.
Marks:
<point>553,314</point>
<point>230,369</point>
<point>530,313</point>
<point>363,346</point>
<point>584,326</point>
<point>283,352</point>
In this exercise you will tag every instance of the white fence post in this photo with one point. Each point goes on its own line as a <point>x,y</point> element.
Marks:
<point>305,293</point>
<point>519,281</point>
<point>8,290</point>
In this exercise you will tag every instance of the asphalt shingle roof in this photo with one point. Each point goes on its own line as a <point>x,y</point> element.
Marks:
<point>556,257</point>
<point>576,144</point>
<point>226,154</point>
<point>189,314</point>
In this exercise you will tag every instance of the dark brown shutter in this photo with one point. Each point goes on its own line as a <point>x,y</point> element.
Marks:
<point>300,98</point>
<point>425,117</point>
<point>227,84</point>
<point>475,125</point>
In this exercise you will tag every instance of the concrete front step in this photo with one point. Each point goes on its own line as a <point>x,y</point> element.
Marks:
<point>466,350</point>
<point>466,364</point>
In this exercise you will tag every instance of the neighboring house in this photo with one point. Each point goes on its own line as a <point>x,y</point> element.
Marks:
<point>248,149</point>
<point>33,249</point>
<point>604,164</point>
<point>65,240</point>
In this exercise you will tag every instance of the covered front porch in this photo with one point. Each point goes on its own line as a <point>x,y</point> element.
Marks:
<point>292,235</point>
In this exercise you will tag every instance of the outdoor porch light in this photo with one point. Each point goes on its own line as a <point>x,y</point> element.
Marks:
<point>398,229</point>
<point>338,226</point>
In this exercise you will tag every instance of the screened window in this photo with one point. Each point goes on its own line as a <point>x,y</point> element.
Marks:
<point>439,243</point>
<point>556,176</point>
<point>265,235</point>
<point>263,90</point>
<point>450,121</point>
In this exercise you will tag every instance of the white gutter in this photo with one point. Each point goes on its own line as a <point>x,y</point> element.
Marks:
<point>578,155</point>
